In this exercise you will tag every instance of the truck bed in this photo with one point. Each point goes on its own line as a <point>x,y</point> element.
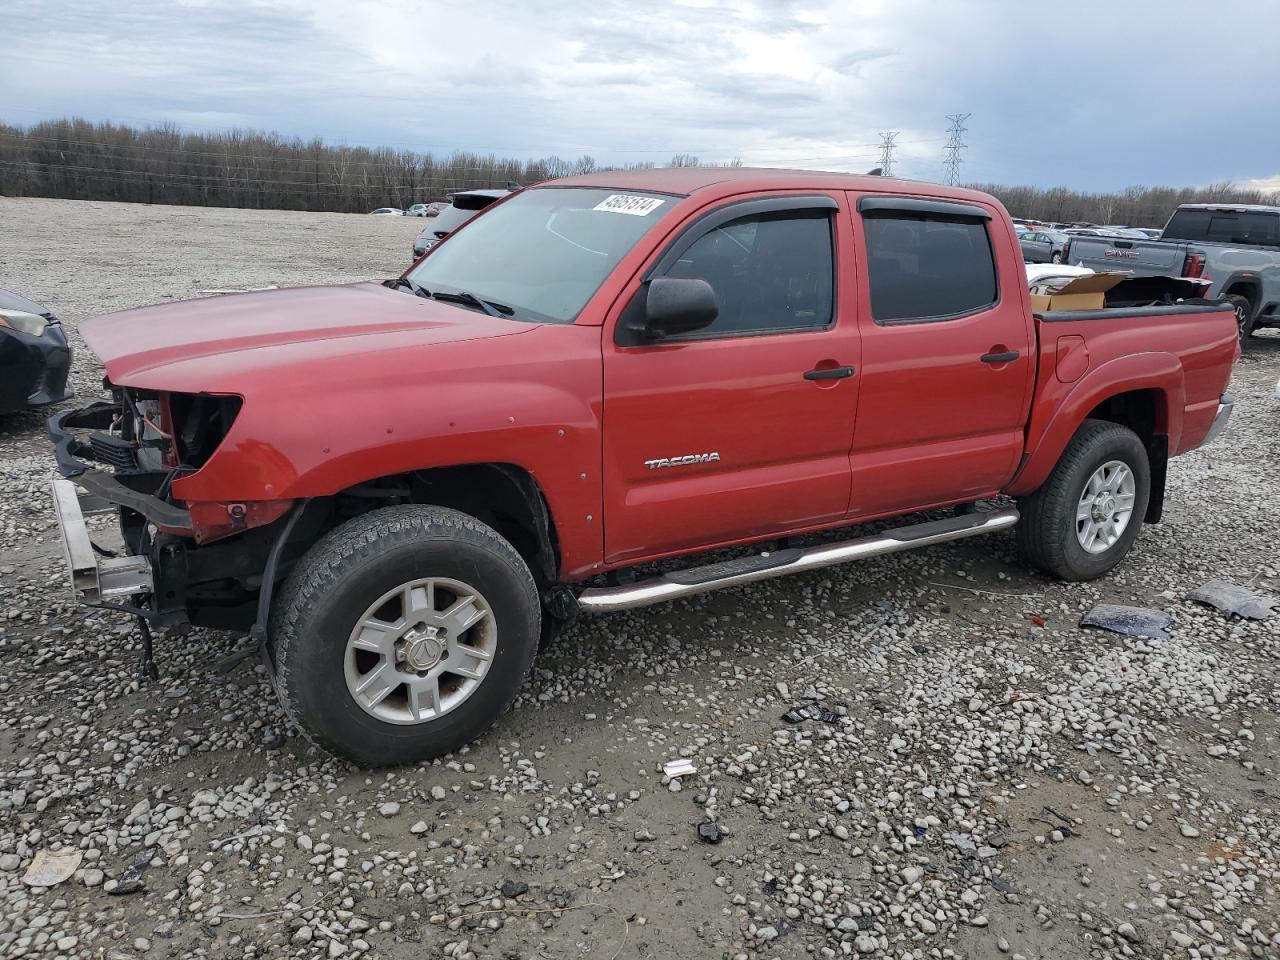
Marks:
<point>1176,359</point>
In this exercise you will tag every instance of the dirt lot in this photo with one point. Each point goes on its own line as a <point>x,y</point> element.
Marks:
<point>1003,783</point>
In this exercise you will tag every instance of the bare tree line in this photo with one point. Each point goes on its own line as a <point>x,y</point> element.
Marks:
<point>79,160</point>
<point>1133,206</point>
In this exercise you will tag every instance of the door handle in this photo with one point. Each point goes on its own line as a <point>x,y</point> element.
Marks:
<point>1007,357</point>
<point>829,373</point>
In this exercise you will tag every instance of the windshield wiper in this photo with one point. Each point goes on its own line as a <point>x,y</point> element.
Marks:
<point>407,284</point>
<point>491,307</point>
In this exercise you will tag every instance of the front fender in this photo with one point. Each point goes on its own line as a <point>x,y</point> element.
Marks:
<point>1061,408</point>
<point>319,429</point>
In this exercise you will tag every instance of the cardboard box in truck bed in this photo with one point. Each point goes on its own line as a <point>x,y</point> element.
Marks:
<point>1082,293</point>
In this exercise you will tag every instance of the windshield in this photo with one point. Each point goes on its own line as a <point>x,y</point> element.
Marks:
<point>544,252</point>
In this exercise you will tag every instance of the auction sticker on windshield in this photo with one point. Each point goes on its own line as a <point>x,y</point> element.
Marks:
<point>630,203</point>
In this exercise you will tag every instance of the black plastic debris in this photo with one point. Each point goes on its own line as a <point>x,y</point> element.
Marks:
<point>1130,621</point>
<point>1233,599</point>
<point>131,880</point>
<point>513,888</point>
<point>811,711</point>
<point>710,832</point>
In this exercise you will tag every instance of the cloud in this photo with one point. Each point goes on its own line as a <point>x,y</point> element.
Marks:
<point>1269,184</point>
<point>1085,96</point>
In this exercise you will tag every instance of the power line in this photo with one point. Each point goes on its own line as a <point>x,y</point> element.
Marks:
<point>954,146</point>
<point>888,139</point>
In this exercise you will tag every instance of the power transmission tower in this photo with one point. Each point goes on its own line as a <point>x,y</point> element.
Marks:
<point>888,140</point>
<point>954,145</point>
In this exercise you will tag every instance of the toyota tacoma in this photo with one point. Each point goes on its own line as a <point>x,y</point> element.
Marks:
<point>399,487</point>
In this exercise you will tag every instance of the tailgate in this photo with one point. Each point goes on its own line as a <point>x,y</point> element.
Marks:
<point>1144,258</point>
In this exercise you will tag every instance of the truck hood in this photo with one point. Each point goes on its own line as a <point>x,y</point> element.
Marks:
<point>170,346</point>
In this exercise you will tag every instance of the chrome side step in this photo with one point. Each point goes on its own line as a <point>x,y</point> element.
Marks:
<point>765,566</point>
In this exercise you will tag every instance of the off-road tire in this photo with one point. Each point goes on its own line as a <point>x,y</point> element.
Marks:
<point>1046,534</point>
<point>333,584</point>
<point>1245,319</point>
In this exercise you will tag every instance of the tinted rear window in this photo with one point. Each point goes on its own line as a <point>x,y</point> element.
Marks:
<point>449,219</point>
<point>1225,226</point>
<point>472,201</point>
<point>928,268</point>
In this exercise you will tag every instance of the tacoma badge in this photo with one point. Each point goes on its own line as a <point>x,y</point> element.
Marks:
<point>687,460</point>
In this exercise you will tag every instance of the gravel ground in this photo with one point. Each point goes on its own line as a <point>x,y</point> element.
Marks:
<point>998,782</point>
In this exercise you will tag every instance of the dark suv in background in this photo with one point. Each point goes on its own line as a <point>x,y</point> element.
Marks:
<point>462,207</point>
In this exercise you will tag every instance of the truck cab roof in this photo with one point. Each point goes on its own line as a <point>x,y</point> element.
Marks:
<point>725,181</point>
<point>1231,207</point>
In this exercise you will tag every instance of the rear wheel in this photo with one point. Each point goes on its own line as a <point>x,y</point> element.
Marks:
<point>1244,314</point>
<point>403,634</point>
<point>1056,258</point>
<point>1085,517</point>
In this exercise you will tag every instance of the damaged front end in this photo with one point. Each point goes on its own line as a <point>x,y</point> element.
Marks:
<point>182,561</point>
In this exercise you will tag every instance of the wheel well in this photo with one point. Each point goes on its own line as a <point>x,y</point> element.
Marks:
<point>1246,289</point>
<point>1143,412</point>
<point>504,496</point>
<point>1136,410</point>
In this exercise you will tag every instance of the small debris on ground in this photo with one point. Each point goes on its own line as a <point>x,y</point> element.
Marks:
<point>131,880</point>
<point>1130,621</point>
<point>51,867</point>
<point>710,832</point>
<point>678,768</point>
<point>811,711</point>
<point>1234,599</point>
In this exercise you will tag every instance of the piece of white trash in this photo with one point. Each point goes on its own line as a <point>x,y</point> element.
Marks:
<point>677,768</point>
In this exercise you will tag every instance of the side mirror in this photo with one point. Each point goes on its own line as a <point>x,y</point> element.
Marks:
<point>678,305</point>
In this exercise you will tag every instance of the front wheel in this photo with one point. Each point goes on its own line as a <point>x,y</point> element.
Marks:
<point>403,634</point>
<point>1085,517</point>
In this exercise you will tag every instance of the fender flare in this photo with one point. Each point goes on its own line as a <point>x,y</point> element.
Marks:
<point>1157,371</point>
<point>1247,279</point>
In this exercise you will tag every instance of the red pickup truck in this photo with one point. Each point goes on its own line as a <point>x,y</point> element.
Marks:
<point>399,486</point>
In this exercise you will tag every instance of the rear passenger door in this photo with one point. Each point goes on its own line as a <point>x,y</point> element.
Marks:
<point>947,355</point>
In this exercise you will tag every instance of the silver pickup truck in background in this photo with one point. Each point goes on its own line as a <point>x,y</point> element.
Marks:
<point>1236,246</point>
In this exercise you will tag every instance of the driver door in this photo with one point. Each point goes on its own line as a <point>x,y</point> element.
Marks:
<point>742,429</point>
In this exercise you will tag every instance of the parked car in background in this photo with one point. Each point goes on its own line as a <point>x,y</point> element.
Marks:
<point>599,373</point>
<point>462,207</point>
<point>1089,232</point>
<point>425,209</point>
<point>35,359</point>
<point>388,212</point>
<point>1132,233</point>
<point>1235,246</point>
<point>1043,246</point>
<point>1151,233</point>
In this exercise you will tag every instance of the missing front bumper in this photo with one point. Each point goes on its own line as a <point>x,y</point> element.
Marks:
<point>94,579</point>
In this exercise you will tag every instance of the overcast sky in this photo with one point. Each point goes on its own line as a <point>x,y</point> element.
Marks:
<point>1092,95</point>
